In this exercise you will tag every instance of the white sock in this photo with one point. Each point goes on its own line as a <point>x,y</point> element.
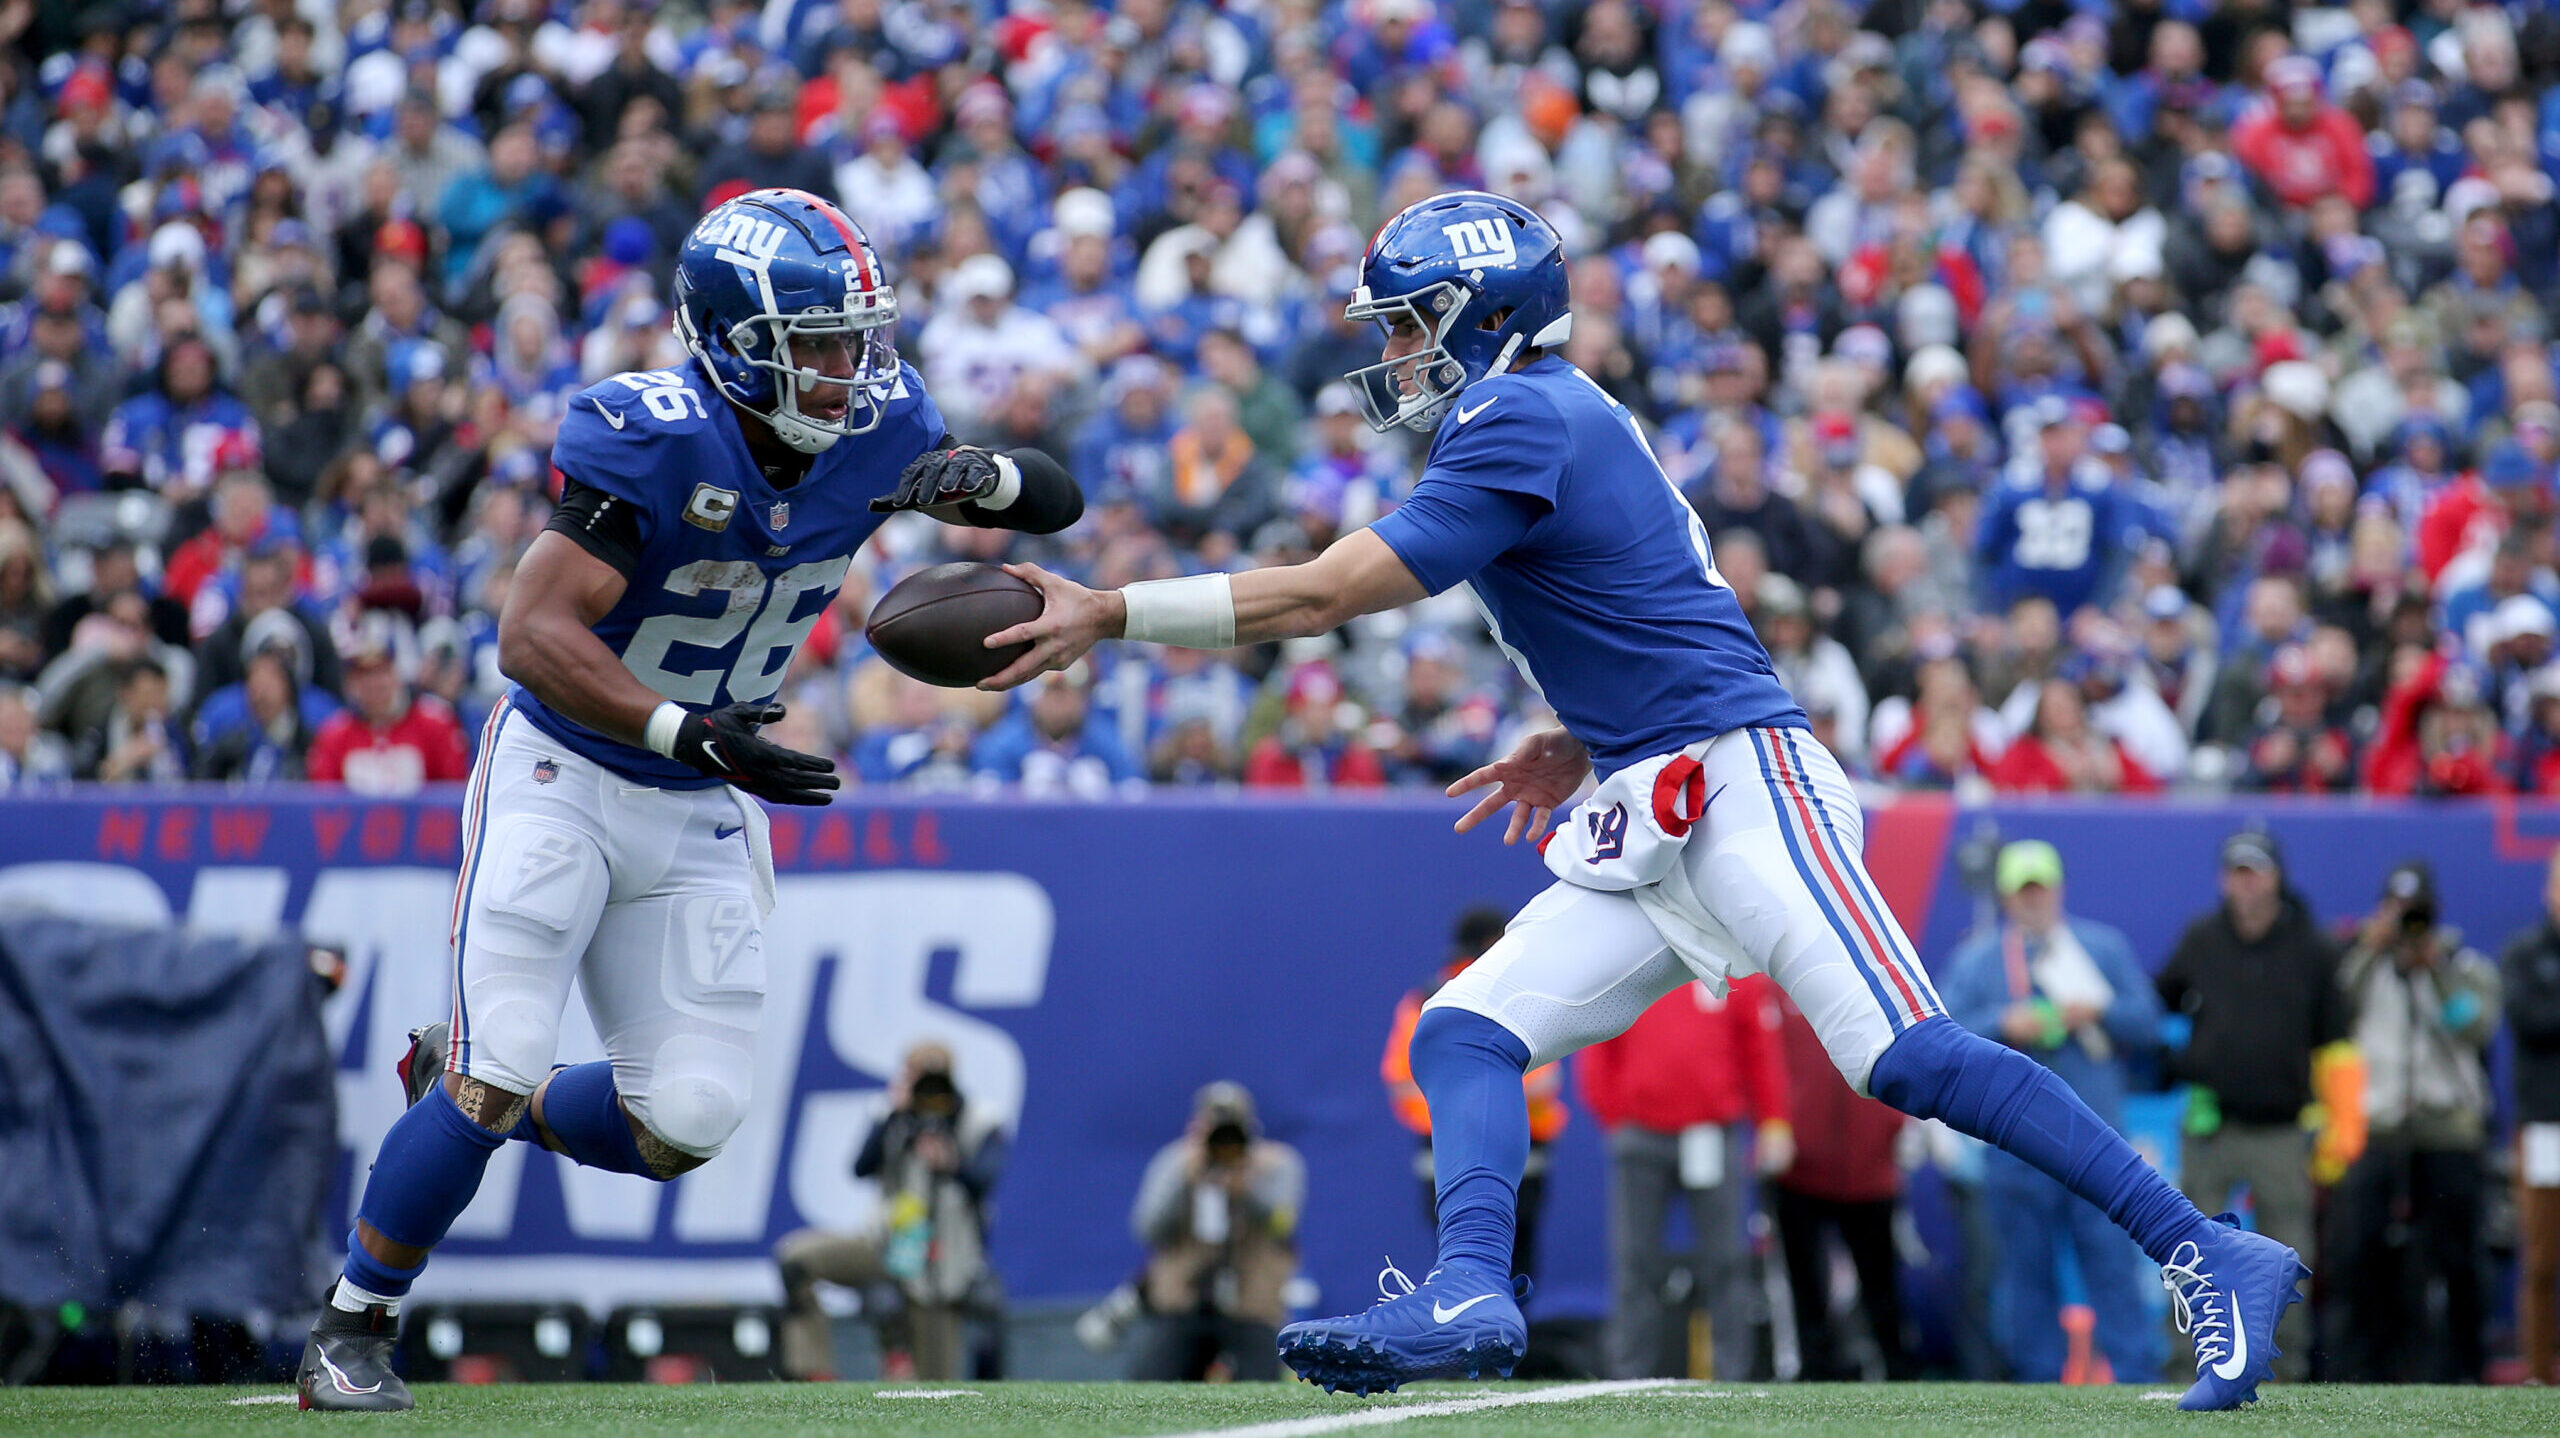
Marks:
<point>347,1298</point>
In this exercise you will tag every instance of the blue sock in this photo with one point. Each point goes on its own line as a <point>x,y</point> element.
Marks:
<point>1940,1069</point>
<point>1469,1069</point>
<point>584,1112</point>
<point>424,1176</point>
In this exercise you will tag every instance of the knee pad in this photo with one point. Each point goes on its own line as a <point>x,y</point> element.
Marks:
<point>535,893</point>
<point>696,1094</point>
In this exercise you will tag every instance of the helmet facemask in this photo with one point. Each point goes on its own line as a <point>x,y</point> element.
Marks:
<point>1415,390</point>
<point>823,352</point>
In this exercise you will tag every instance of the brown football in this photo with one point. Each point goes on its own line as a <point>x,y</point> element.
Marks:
<point>933,625</point>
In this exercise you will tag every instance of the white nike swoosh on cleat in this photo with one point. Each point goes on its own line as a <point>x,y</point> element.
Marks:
<point>2238,1363</point>
<point>1443,1315</point>
<point>609,416</point>
<point>340,1378</point>
<point>1467,414</point>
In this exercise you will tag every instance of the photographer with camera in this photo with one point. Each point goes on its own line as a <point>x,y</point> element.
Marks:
<point>1218,1212</point>
<point>2407,1214</point>
<point>935,1164</point>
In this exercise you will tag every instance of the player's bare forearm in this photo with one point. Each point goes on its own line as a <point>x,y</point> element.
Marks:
<point>1358,575</point>
<point>547,640</point>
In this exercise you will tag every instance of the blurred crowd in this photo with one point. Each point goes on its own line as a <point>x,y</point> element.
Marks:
<point>2104,397</point>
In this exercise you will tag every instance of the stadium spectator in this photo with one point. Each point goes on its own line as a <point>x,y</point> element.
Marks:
<point>2299,750</point>
<point>2052,527</point>
<point>1053,743</point>
<point>980,344</point>
<point>140,741</point>
<point>1477,930</point>
<point>1693,1097</point>
<point>2406,1217</point>
<point>935,1165</point>
<point>259,730</point>
<point>2256,984</point>
<point>30,756</point>
<point>2063,753</point>
<point>387,741</point>
<point>2529,980</point>
<point>1317,738</point>
<point>1816,668</point>
<point>1218,1213</point>
<point>769,154</point>
<point>2300,146</point>
<point>1844,1182</point>
<point>2070,992</point>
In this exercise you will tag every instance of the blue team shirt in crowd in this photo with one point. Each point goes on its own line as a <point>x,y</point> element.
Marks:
<point>1596,576</point>
<point>2063,543</point>
<point>733,572</point>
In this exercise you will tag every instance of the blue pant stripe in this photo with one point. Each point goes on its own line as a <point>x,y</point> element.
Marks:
<point>1862,892</point>
<point>1821,895</point>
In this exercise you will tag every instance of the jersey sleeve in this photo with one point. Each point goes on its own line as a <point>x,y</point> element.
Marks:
<point>1495,470</point>
<point>608,442</point>
<point>1446,531</point>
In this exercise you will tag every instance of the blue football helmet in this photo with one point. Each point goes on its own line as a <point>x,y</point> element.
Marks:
<point>783,300</point>
<point>1482,277</point>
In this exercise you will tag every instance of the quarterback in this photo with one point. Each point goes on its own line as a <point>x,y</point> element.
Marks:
<point>611,832</point>
<point>1720,839</point>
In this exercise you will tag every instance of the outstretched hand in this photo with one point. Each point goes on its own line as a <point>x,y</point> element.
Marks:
<point>1072,620</point>
<point>1535,779</point>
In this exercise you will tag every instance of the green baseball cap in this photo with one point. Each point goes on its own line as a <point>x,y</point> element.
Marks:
<point>2028,861</point>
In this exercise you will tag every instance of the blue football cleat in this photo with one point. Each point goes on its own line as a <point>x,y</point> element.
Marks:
<point>2229,1293</point>
<point>1458,1324</point>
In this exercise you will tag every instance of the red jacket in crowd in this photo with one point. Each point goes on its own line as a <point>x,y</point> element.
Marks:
<point>1691,1059</point>
<point>2326,157</point>
<point>2027,767</point>
<point>2461,516</point>
<point>1844,1143</point>
<point>422,746</point>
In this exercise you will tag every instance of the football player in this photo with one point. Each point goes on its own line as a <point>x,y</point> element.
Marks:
<point>610,830</point>
<point>1720,839</point>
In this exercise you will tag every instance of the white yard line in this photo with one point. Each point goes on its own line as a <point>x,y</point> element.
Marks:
<point>1373,1417</point>
<point>926,1393</point>
<point>256,1399</point>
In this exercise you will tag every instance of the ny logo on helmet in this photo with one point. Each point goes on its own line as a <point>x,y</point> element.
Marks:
<point>1486,243</point>
<point>747,242</point>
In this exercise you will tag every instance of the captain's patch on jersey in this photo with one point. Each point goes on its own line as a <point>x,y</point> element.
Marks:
<point>711,507</point>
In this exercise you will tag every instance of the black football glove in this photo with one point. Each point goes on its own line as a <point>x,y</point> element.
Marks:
<point>724,744</point>
<point>942,476</point>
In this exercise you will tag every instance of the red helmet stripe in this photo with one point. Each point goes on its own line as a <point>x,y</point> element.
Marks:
<point>852,237</point>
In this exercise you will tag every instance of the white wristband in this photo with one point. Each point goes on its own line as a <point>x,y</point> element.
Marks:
<point>1008,486</point>
<point>664,721</point>
<point>1194,613</point>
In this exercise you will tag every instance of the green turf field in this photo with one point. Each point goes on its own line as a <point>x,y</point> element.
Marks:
<point>1114,1410</point>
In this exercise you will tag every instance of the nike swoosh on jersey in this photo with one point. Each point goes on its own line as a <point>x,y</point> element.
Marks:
<point>2238,1363</point>
<point>1467,414</point>
<point>726,831</point>
<point>610,417</point>
<point>1443,1315</point>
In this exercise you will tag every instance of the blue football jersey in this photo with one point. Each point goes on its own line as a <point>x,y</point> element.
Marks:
<point>733,572</point>
<point>1595,575</point>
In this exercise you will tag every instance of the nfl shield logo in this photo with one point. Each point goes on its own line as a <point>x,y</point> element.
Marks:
<point>781,514</point>
<point>544,771</point>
